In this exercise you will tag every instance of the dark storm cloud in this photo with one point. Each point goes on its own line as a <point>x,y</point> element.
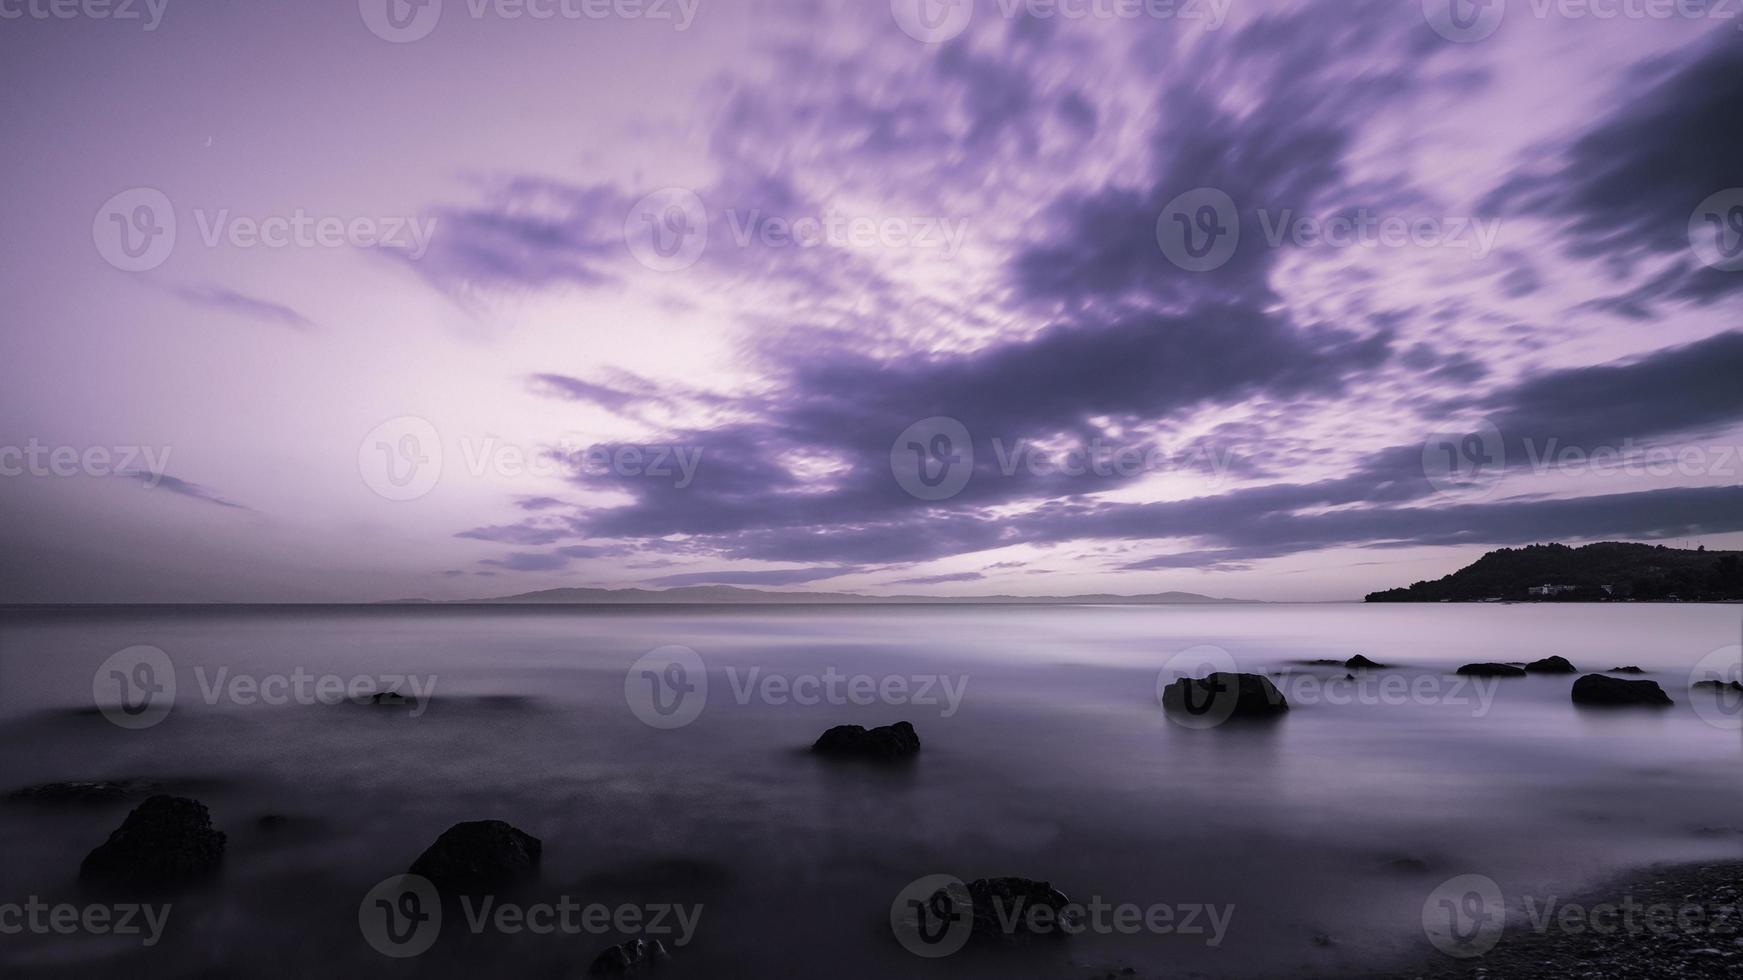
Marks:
<point>802,471</point>
<point>1628,186</point>
<point>530,232</point>
<point>1695,389</point>
<point>1284,153</point>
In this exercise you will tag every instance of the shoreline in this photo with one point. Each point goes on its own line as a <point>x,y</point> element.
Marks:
<point>1661,920</point>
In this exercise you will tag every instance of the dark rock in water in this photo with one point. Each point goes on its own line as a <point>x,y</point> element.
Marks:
<point>1408,865</point>
<point>1491,670</point>
<point>165,842</point>
<point>1254,696</point>
<point>479,856</point>
<point>1625,670</point>
<point>1349,677</point>
<point>890,742</point>
<point>1551,665</point>
<point>1596,689</point>
<point>95,792</point>
<point>1326,663</point>
<point>1359,662</point>
<point>1719,685</point>
<point>388,699</point>
<point>1002,909</point>
<point>632,959</point>
<point>272,821</point>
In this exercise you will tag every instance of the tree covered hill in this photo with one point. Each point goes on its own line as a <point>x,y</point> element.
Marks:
<point>1632,571</point>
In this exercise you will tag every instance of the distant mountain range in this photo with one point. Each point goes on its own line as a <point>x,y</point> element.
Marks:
<point>733,595</point>
<point>1606,571</point>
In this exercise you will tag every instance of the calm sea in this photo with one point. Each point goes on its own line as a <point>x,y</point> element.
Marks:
<point>1316,839</point>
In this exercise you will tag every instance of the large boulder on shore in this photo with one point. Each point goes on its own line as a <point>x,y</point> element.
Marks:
<point>1491,670</point>
<point>635,958</point>
<point>1596,689</point>
<point>1551,665</point>
<point>1225,695</point>
<point>479,856</point>
<point>885,744</point>
<point>167,841</point>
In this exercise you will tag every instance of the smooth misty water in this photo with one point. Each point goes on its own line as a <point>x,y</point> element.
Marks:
<point>1058,765</point>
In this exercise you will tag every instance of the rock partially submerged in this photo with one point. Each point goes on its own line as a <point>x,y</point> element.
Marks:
<point>1003,909</point>
<point>1359,662</point>
<point>478,857</point>
<point>1491,670</point>
<point>1598,690</point>
<point>1625,670</point>
<point>166,842</point>
<point>1551,665</point>
<point>884,744</point>
<point>1225,695</point>
<point>635,958</point>
<point>1719,685</point>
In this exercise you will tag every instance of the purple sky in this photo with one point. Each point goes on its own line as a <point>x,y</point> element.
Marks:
<point>511,359</point>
